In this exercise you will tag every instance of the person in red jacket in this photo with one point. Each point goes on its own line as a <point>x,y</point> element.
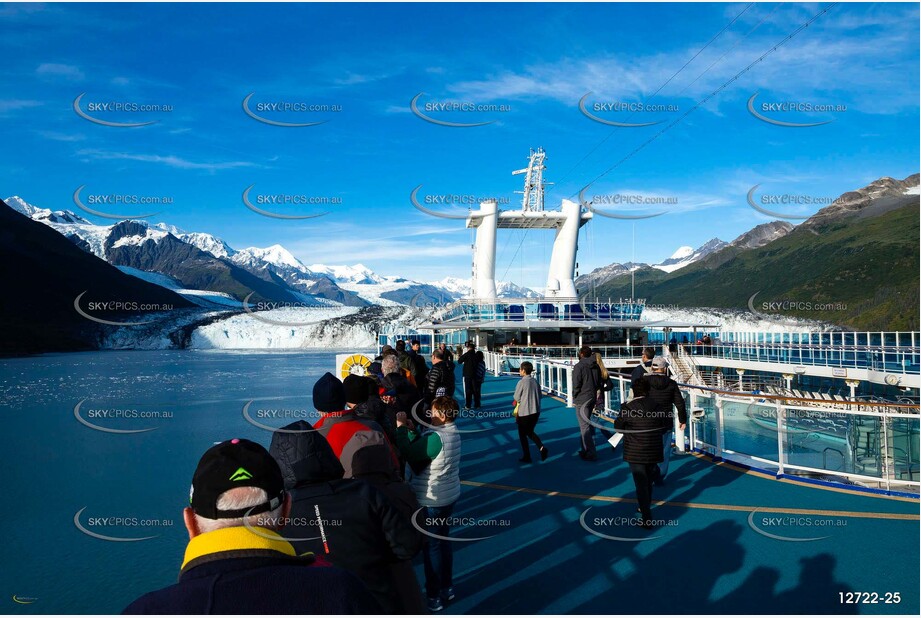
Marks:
<point>345,431</point>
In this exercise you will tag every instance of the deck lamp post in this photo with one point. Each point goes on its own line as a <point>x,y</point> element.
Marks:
<point>853,384</point>
<point>741,373</point>
<point>788,378</point>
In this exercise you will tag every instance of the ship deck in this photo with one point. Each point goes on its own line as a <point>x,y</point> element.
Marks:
<point>722,549</point>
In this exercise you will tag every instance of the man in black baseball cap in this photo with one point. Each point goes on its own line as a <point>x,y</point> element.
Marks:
<point>236,561</point>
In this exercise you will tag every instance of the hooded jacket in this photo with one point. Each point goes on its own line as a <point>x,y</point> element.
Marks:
<point>347,521</point>
<point>368,467</point>
<point>642,429</point>
<point>586,380</point>
<point>348,434</point>
<point>663,394</point>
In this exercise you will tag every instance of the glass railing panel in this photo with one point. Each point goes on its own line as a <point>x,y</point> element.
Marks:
<point>903,440</point>
<point>833,441</point>
<point>750,428</point>
<point>705,427</point>
<point>818,439</point>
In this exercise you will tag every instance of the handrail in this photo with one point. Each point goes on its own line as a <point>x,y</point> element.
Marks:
<point>825,402</point>
<point>708,429</point>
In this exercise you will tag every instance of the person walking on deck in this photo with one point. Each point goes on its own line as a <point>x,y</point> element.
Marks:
<point>663,394</point>
<point>527,412</point>
<point>586,380</point>
<point>606,385</point>
<point>645,366</point>
<point>641,427</point>
<point>469,360</point>
<point>480,376</point>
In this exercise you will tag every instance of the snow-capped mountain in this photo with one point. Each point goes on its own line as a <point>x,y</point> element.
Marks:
<point>605,273</point>
<point>461,288</point>
<point>206,242</point>
<point>683,256</point>
<point>45,215</point>
<point>688,255</point>
<point>198,264</point>
<point>278,262</point>
<point>359,274</point>
<point>880,196</point>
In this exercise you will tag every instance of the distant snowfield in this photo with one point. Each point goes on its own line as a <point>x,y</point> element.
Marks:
<point>371,292</point>
<point>293,328</point>
<point>737,320</point>
<point>219,298</point>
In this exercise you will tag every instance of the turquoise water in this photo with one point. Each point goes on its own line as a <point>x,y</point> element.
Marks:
<point>54,466</point>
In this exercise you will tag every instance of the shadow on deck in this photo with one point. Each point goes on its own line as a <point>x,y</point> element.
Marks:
<point>728,542</point>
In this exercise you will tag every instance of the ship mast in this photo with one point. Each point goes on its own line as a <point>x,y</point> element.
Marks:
<point>533,194</point>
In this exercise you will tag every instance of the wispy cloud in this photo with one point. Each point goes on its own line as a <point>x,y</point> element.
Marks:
<point>65,71</point>
<point>168,160</point>
<point>824,59</point>
<point>62,137</point>
<point>11,105</point>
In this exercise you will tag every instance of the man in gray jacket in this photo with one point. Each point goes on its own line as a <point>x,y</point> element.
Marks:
<point>586,380</point>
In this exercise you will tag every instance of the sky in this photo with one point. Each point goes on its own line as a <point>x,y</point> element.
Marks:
<point>529,65</point>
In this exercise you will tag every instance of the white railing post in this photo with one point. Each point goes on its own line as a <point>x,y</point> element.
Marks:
<point>781,433</point>
<point>718,408</point>
<point>569,402</point>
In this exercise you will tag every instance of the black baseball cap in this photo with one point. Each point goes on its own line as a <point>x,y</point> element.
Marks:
<point>231,464</point>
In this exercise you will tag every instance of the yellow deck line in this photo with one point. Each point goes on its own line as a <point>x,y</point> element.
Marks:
<point>693,505</point>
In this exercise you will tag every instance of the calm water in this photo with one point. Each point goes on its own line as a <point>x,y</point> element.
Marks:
<point>53,465</point>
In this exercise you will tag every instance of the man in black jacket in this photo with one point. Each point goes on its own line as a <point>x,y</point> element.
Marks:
<point>440,376</point>
<point>645,366</point>
<point>236,562</point>
<point>642,429</point>
<point>586,380</point>
<point>469,360</point>
<point>663,394</point>
<point>348,521</point>
<point>421,369</point>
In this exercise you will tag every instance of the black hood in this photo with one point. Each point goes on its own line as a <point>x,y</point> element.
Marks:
<point>658,381</point>
<point>305,457</point>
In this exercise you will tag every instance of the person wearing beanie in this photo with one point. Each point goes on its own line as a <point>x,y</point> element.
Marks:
<point>665,397</point>
<point>363,396</point>
<point>342,427</point>
<point>236,561</point>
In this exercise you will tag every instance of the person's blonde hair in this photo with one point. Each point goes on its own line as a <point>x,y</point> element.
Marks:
<point>600,362</point>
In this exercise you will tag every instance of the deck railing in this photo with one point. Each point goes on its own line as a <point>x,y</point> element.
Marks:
<point>867,443</point>
<point>879,358</point>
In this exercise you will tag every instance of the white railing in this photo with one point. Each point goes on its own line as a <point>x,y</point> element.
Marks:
<point>555,378</point>
<point>871,444</point>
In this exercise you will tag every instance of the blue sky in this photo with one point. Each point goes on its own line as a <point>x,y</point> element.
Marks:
<point>371,60</point>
